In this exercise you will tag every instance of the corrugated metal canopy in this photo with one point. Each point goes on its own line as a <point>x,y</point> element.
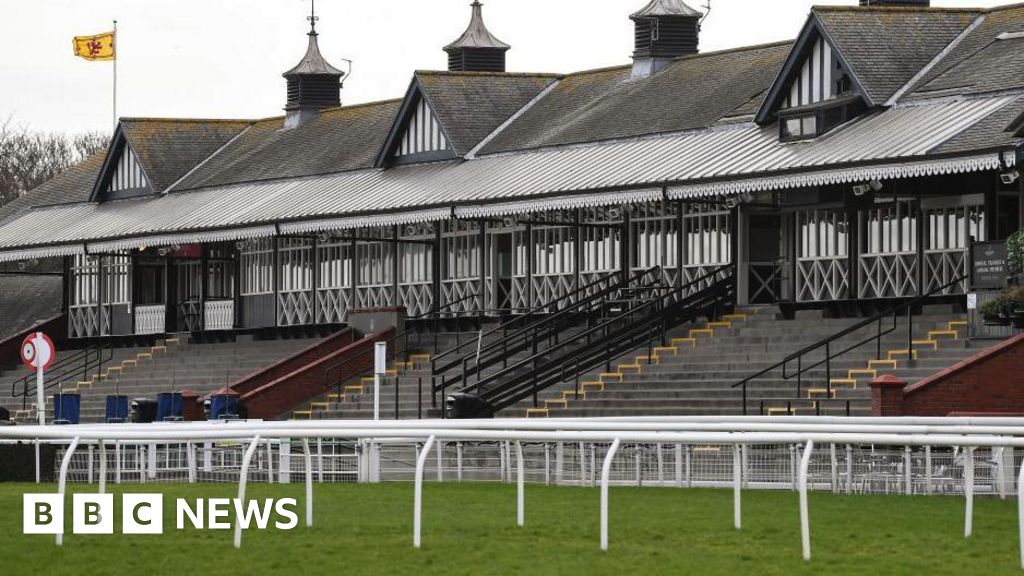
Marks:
<point>727,159</point>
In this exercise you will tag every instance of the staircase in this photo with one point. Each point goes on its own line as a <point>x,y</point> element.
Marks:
<point>172,365</point>
<point>695,375</point>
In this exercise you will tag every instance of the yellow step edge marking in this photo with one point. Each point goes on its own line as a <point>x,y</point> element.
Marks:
<point>951,333</point>
<point>890,363</point>
<point>307,414</point>
<point>903,352</point>
<point>719,324</point>
<point>610,376</point>
<point>705,331</point>
<point>596,386</point>
<point>862,372</point>
<point>779,412</point>
<point>844,382</point>
<point>932,343</point>
<point>561,402</point>
<point>537,412</point>
<point>319,405</point>
<point>666,350</point>
<point>353,389</point>
<point>961,323</point>
<point>566,394</point>
<point>684,342</point>
<point>368,379</point>
<point>731,317</point>
<point>820,392</point>
<point>633,367</point>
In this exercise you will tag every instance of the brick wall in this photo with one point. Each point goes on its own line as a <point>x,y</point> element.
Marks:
<point>275,398</point>
<point>991,382</point>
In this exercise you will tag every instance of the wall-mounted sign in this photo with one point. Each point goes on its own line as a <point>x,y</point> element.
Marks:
<point>990,267</point>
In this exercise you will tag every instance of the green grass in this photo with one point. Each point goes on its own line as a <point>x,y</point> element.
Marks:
<point>470,529</point>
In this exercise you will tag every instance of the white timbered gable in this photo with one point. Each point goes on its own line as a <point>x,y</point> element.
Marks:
<point>127,174</point>
<point>423,134</point>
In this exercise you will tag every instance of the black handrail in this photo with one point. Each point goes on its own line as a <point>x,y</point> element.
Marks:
<point>530,315</point>
<point>539,329</point>
<point>76,366</point>
<point>826,343</point>
<point>614,336</point>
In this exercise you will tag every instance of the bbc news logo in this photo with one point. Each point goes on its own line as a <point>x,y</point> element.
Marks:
<point>144,514</point>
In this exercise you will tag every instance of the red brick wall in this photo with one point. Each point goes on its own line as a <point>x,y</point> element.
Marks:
<point>277,397</point>
<point>990,382</point>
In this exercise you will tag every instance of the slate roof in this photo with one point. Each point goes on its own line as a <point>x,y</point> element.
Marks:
<point>26,300</point>
<point>477,35</point>
<point>980,62</point>
<point>73,185</point>
<point>493,98</point>
<point>340,139</point>
<point>887,47</point>
<point>666,8</point>
<point>694,92</point>
<point>168,149</point>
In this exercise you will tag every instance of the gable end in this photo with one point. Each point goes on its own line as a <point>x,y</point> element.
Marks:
<point>417,134</point>
<point>122,175</point>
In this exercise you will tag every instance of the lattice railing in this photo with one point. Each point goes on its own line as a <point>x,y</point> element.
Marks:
<point>379,296</point>
<point>944,266</point>
<point>333,305</point>
<point>295,308</point>
<point>460,292</point>
<point>888,275</point>
<point>84,321</point>
<point>418,299</point>
<point>822,279</point>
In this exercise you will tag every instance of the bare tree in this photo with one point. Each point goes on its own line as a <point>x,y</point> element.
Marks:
<point>28,159</point>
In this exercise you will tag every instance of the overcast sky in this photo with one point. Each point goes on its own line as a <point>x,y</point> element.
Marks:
<point>224,58</point>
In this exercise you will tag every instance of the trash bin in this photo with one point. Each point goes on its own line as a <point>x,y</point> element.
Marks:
<point>224,407</point>
<point>66,408</point>
<point>169,407</point>
<point>143,411</point>
<point>467,406</point>
<point>117,409</point>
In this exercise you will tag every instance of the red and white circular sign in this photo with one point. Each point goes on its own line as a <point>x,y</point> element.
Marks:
<point>37,349</point>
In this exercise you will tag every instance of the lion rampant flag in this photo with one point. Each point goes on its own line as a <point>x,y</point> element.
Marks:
<point>99,47</point>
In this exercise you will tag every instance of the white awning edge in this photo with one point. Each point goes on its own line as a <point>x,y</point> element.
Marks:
<point>842,176</point>
<point>40,253</point>
<point>560,203</point>
<point>357,222</point>
<point>182,238</point>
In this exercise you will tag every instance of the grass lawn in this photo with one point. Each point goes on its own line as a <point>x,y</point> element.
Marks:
<point>470,529</point>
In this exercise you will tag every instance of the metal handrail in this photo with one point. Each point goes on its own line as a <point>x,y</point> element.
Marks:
<point>532,313</point>
<point>527,336</point>
<point>647,326</point>
<point>80,364</point>
<point>826,343</point>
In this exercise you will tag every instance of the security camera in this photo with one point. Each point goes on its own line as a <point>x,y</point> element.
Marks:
<point>731,203</point>
<point>876,186</point>
<point>509,222</point>
<point>1010,177</point>
<point>861,189</point>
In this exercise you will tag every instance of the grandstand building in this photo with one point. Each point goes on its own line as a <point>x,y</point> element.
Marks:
<point>846,171</point>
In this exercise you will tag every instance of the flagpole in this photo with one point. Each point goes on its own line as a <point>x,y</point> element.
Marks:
<point>115,74</point>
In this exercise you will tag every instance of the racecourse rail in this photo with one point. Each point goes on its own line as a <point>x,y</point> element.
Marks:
<point>966,434</point>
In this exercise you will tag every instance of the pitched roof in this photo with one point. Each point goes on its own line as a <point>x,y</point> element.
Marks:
<point>313,62</point>
<point>26,300</point>
<point>981,61</point>
<point>886,47</point>
<point>340,139</point>
<point>471,105</point>
<point>169,149</point>
<point>988,133</point>
<point>72,185</point>
<point>694,92</point>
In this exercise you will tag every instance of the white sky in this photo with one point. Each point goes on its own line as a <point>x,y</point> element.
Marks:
<point>224,58</point>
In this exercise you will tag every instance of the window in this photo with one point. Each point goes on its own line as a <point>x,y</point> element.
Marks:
<point>257,268</point>
<point>799,128</point>
<point>817,119</point>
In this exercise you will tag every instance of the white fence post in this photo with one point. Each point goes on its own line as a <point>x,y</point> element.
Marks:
<point>606,471</point>
<point>284,465</point>
<point>805,523</point>
<point>968,491</point>
<point>679,465</point>
<point>103,467</point>
<point>62,481</point>
<point>417,510</point>
<point>737,485</point>
<point>243,479</point>
<point>520,486</point>
<point>308,461</point>
<point>190,455</point>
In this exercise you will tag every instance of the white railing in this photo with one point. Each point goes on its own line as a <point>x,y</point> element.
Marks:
<point>219,315</point>
<point>904,455</point>
<point>150,319</point>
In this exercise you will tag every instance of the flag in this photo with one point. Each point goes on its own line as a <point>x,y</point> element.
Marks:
<point>99,47</point>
